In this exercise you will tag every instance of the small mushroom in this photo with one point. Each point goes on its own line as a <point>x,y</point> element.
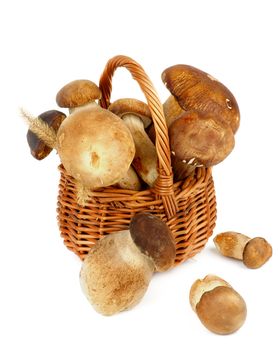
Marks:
<point>77,94</point>
<point>154,238</point>
<point>254,252</point>
<point>115,275</point>
<point>197,139</point>
<point>39,149</point>
<point>219,307</point>
<point>193,89</point>
<point>137,116</point>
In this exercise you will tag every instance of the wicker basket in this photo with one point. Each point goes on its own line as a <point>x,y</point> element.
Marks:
<point>188,207</point>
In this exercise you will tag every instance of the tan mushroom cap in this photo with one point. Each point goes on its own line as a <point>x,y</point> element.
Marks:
<point>38,148</point>
<point>124,106</point>
<point>95,147</point>
<point>154,238</point>
<point>78,93</point>
<point>195,89</point>
<point>219,307</point>
<point>256,252</point>
<point>196,135</point>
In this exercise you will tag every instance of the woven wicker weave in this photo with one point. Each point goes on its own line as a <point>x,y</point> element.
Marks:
<point>188,207</point>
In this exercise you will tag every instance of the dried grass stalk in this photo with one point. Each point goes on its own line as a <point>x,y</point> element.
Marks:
<point>40,128</point>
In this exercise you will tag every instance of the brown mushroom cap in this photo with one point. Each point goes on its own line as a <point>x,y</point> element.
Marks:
<point>154,238</point>
<point>124,106</point>
<point>222,310</point>
<point>256,252</point>
<point>197,90</point>
<point>38,148</point>
<point>196,135</point>
<point>219,307</point>
<point>78,93</point>
<point>95,147</point>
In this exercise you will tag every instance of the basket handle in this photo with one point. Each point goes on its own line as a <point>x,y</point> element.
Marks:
<point>164,184</point>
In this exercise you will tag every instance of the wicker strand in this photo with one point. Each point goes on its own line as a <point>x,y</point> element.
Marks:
<point>164,185</point>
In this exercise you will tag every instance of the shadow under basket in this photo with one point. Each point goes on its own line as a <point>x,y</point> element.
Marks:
<point>111,209</point>
<point>188,207</point>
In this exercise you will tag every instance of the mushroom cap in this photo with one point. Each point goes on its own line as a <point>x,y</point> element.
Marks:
<point>124,106</point>
<point>38,148</point>
<point>195,89</point>
<point>256,252</point>
<point>222,310</point>
<point>95,147</point>
<point>219,307</point>
<point>78,93</point>
<point>154,239</point>
<point>115,275</point>
<point>196,135</point>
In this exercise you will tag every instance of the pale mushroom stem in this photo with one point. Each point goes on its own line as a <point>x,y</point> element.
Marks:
<point>231,244</point>
<point>40,128</point>
<point>145,160</point>
<point>91,104</point>
<point>130,181</point>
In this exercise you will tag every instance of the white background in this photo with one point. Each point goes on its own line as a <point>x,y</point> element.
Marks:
<point>46,44</point>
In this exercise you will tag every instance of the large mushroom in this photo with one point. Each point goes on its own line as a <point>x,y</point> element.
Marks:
<point>95,147</point>
<point>117,271</point>
<point>193,89</point>
<point>197,139</point>
<point>137,116</point>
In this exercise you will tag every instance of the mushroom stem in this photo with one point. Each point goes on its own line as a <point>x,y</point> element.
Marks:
<point>91,104</point>
<point>130,181</point>
<point>145,160</point>
<point>254,252</point>
<point>171,109</point>
<point>40,128</point>
<point>182,169</point>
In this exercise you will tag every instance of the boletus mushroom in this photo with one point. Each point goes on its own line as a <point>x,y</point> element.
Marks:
<point>254,252</point>
<point>77,94</point>
<point>115,275</point>
<point>197,139</point>
<point>219,307</point>
<point>137,116</point>
<point>193,89</point>
<point>39,149</point>
<point>117,271</point>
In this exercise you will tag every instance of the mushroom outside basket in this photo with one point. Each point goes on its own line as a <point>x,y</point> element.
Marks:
<point>188,207</point>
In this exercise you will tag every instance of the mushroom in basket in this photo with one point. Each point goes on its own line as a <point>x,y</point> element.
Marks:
<point>193,89</point>
<point>198,139</point>
<point>208,114</point>
<point>94,145</point>
<point>137,117</point>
